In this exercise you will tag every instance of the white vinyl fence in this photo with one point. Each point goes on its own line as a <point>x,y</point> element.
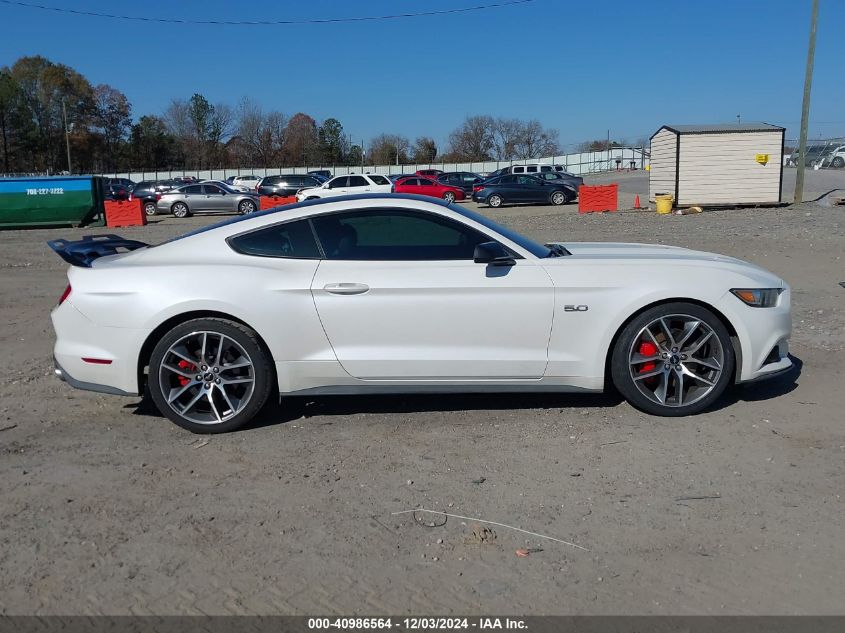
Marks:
<point>581,163</point>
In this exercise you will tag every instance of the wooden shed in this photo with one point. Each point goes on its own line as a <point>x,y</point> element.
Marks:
<point>739,163</point>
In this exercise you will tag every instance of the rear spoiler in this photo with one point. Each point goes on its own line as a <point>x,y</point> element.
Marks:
<point>83,252</point>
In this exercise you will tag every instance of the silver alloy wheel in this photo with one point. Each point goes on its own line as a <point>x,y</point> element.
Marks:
<point>180,210</point>
<point>150,208</point>
<point>206,377</point>
<point>558,198</point>
<point>682,363</point>
<point>494,201</point>
<point>449,197</point>
<point>247,206</point>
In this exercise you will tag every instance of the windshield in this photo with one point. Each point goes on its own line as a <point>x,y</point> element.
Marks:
<point>538,250</point>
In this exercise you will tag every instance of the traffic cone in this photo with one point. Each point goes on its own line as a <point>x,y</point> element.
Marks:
<point>637,202</point>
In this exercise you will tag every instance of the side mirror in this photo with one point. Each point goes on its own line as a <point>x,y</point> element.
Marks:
<point>492,253</point>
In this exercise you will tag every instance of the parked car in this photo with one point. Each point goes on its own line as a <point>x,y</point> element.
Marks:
<point>562,177</point>
<point>344,185</point>
<point>223,183</point>
<point>250,181</point>
<point>427,187</point>
<point>394,293</point>
<point>514,189</point>
<point>434,174</point>
<point>206,198</point>
<point>286,184</point>
<point>532,168</point>
<point>149,192</point>
<point>115,192</point>
<point>322,174</point>
<point>466,180</point>
<point>127,183</point>
<point>835,157</point>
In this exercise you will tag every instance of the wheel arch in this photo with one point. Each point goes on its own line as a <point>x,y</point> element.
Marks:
<point>716,312</point>
<point>168,324</point>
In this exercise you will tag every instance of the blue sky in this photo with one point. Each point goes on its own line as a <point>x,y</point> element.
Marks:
<point>581,67</point>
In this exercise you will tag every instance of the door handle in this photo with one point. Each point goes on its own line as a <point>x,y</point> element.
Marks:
<point>346,288</point>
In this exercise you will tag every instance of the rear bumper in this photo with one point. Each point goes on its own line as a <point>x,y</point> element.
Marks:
<point>62,375</point>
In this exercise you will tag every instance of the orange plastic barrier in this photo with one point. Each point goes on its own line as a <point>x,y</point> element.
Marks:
<point>598,198</point>
<point>270,202</point>
<point>124,213</point>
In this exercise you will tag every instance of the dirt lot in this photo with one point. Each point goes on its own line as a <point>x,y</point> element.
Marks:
<point>106,507</point>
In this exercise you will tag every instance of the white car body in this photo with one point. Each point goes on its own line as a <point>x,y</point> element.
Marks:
<point>347,185</point>
<point>342,326</point>
<point>250,182</point>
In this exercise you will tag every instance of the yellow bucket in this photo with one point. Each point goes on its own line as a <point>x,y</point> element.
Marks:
<point>663,202</point>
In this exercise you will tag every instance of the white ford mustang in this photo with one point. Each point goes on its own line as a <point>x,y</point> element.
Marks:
<point>394,293</point>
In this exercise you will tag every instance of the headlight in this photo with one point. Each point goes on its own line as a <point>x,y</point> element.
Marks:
<point>758,297</point>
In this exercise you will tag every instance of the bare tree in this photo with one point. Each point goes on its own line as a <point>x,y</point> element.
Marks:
<point>473,139</point>
<point>425,150</point>
<point>506,134</point>
<point>388,149</point>
<point>535,141</point>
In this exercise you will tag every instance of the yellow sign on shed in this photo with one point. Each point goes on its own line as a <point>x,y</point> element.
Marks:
<point>762,158</point>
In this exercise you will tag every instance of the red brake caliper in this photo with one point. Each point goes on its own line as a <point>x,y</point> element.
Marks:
<point>183,364</point>
<point>647,349</point>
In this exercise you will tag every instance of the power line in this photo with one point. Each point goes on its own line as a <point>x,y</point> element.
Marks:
<point>368,18</point>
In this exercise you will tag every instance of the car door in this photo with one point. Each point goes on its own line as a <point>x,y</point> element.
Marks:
<point>216,199</point>
<point>358,184</point>
<point>410,185</point>
<point>510,189</point>
<point>428,188</point>
<point>380,184</point>
<point>532,189</point>
<point>194,197</point>
<point>337,186</point>
<point>400,298</point>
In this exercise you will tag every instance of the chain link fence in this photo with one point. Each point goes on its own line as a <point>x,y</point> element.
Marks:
<point>821,153</point>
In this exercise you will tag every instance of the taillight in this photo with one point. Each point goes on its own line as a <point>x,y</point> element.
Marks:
<point>158,197</point>
<point>65,295</point>
<point>476,188</point>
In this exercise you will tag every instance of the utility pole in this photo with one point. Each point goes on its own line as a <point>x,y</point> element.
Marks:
<point>805,105</point>
<point>67,137</point>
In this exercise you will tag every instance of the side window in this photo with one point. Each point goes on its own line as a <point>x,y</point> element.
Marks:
<point>527,180</point>
<point>395,235</point>
<point>212,190</point>
<point>192,189</point>
<point>518,170</point>
<point>291,239</point>
<point>507,180</point>
<point>545,168</point>
<point>411,182</point>
<point>425,182</point>
<point>379,180</point>
<point>358,181</point>
<point>531,170</point>
<point>339,182</point>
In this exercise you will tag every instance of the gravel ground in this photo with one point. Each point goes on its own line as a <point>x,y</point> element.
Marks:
<point>109,508</point>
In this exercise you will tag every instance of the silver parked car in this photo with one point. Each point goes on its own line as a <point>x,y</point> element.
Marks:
<point>206,198</point>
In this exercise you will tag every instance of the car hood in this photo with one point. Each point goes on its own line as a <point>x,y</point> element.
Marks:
<point>620,252</point>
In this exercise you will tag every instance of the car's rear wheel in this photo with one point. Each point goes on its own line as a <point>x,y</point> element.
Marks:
<point>150,208</point>
<point>449,196</point>
<point>674,359</point>
<point>495,200</point>
<point>210,375</point>
<point>246,206</point>
<point>180,210</point>
<point>558,198</point>
<point>838,162</point>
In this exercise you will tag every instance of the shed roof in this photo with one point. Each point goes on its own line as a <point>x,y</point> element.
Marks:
<point>722,128</point>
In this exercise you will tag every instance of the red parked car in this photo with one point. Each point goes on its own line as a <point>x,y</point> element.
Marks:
<point>434,174</point>
<point>426,187</point>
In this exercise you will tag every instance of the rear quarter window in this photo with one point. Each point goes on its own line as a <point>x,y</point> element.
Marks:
<point>289,240</point>
<point>379,180</point>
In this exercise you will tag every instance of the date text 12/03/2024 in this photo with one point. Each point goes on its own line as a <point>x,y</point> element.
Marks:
<point>413,624</point>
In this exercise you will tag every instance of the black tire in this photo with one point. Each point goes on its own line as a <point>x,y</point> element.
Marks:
<point>248,340</point>
<point>558,198</point>
<point>838,162</point>
<point>495,200</point>
<point>150,208</point>
<point>621,360</point>
<point>246,206</point>
<point>180,210</point>
<point>449,197</point>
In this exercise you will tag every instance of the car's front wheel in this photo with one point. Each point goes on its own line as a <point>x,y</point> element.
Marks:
<point>210,375</point>
<point>674,359</point>
<point>838,162</point>
<point>180,210</point>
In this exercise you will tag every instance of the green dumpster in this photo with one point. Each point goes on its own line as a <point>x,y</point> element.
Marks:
<point>73,200</point>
